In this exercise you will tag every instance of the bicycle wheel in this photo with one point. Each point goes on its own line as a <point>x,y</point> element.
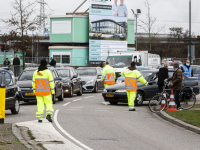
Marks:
<point>187,102</point>
<point>156,104</point>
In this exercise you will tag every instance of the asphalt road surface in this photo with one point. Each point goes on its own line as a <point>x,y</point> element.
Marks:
<point>95,124</point>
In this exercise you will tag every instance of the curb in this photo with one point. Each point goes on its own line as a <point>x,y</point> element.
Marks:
<point>178,122</point>
<point>17,133</point>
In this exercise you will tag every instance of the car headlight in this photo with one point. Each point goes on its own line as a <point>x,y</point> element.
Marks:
<point>105,90</point>
<point>118,81</point>
<point>18,89</point>
<point>120,91</point>
<point>90,82</point>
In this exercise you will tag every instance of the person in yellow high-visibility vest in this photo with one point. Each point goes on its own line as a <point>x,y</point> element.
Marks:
<point>43,87</point>
<point>108,75</point>
<point>132,76</point>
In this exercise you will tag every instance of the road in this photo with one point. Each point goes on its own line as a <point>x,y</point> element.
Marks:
<point>91,122</point>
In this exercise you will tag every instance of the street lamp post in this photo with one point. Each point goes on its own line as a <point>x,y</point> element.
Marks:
<point>136,16</point>
<point>190,41</point>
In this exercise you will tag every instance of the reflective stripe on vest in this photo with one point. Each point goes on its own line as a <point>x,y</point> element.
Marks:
<point>187,71</point>
<point>109,79</point>
<point>130,84</point>
<point>42,87</point>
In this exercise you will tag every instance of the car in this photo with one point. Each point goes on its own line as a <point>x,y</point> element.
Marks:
<point>24,83</point>
<point>12,96</point>
<point>117,93</point>
<point>124,35</point>
<point>91,78</point>
<point>196,70</point>
<point>116,35</point>
<point>179,62</point>
<point>97,34</point>
<point>72,83</point>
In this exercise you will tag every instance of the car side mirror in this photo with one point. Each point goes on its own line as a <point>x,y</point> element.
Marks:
<point>74,76</point>
<point>57,79</point>
<point>99,76</point>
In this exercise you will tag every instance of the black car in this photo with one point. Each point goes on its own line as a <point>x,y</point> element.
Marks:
<point>25,85</point>
<point>117,93</point>
<point>71,81</point>
<point>12,96</point>
<point>91,78</point>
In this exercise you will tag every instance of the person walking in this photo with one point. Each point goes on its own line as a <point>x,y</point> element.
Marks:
<point>6,63</point>
<point>176,84</point>
<point>187,69</point>
<point>131,77</point>
<point>16,64</point>
<point>43,87</point>
<point>108,75</point>
<point>162,75</point>
<point>53,62</point>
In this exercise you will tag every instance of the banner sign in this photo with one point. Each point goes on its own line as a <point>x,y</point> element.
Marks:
<point>107,28</point>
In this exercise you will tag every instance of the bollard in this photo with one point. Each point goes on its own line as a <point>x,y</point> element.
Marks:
<point>2,104</point>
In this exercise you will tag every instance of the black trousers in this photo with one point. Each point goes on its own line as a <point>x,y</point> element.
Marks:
<point>160,87</point>
<point>16,71</point>
<point>176,97</point>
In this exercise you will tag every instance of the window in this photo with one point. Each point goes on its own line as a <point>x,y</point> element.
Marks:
<point>54,74</point>
<point>57,58</point>
<point>64,73</point>
<point>72,74</point>
<point>155,77</point>
<point>98,71</point>
<point>26,75</point>
<point>66,59</point>
<point>170,74</point>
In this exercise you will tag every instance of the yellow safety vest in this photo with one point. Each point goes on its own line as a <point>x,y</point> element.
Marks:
<point>108,75</point>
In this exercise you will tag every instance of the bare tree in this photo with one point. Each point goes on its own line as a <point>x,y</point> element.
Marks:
<point>149,26</point>
<point>20,22</point>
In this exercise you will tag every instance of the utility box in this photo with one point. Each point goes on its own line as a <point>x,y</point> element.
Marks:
<point>69,29</point>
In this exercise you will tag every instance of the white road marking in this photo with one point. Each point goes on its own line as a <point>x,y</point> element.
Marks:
<point>67,104</point>
<point>101,110</point>
<point>77,100</point>
<point>88,96</point>
<point>105,103</point>
<point>67,134</point>
<point>75,107</point>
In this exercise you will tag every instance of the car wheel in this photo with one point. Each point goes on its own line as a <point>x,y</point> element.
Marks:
<point>71,92</point>
<point>113,103</point>
<point>16,107</point>
<point>54,98</point>
<point>61,97</point>
<point>80,91</point>
<point>96,88</point>
<point>139,98</point>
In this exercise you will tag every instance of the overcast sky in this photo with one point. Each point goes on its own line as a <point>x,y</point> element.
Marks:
<point>171,13</point>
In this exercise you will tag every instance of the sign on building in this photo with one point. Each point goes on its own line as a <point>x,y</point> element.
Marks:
<point>107,28</point>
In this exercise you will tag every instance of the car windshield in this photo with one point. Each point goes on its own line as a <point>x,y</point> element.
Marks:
<point>196,70</point>
<point>26,75</point>
<point>119,61</point>
<point>146,75</point>
<point>87,72</point>
<point>63,73</point>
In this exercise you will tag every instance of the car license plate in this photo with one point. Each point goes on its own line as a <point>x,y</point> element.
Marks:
<point>109,95</point>
<point>30,94</point>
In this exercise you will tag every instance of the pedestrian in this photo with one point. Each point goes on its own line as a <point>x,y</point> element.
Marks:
<point>187,69</point>
<point>162,75</point>
<point>43,87</point>
<point>174,59</point>
<point>53,62</point>
<point>6,63</point>
<point>108,75</point>
<point>131,77</point>
<point>176,84</point>
<point>16,64</point>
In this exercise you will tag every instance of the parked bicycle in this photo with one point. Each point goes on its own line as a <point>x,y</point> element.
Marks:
<point>187,99</point>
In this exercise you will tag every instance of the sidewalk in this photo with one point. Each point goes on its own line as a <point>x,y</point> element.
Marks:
<point>7,139</point>
<point>42,136</point>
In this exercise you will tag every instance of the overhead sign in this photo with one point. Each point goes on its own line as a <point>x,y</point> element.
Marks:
<point>107,28</point>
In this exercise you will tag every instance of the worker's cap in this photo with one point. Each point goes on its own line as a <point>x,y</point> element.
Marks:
<point>176,65</point>
<point>43,62</point>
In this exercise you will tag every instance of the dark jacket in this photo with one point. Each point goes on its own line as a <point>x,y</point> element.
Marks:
<point>188,69</point>
<point>177,80</point>
<point>6,63</point>
<point>53,62</point>
<point>16,61</point>
<point>162,75</point>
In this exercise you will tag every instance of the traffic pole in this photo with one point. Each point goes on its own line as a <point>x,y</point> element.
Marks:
<point>2,104</point>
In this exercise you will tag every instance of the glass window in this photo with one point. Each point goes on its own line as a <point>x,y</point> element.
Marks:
<point>146,75</point>
<point>72,73</point>
<point>87,72</point>
<point>196,70</point>
<point>26,75</point>
<point>170,74</point>
<point>57,58</point>
<point>66,59</point>
<point>155,77</point>
<point>116,61</point>
<point>64,73</point>
<point>54,74</point>
<point>98,71</point>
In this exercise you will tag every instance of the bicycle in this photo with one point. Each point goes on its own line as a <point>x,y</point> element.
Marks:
<point>187,99</point>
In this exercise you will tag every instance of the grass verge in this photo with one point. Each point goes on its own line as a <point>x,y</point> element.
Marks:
<point>30,135</point>
<point>192,116</point>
